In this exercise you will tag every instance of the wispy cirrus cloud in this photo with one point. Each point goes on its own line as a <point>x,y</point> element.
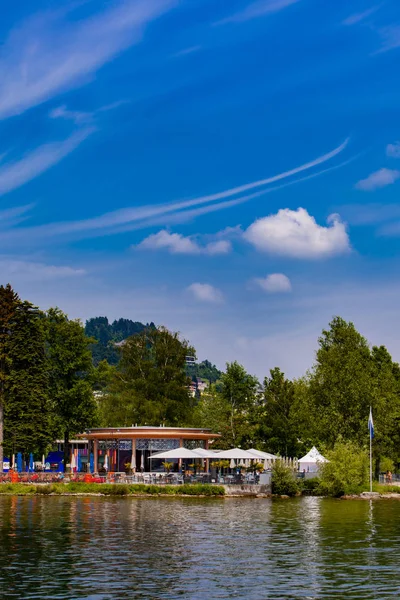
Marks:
<point>158,214</point>
<point>47,54</point>
<point>16,173</point>
<point>378,179</point>
<point>17,212</point>
<point>16,269</point>
<point>176,243</point>
<point>82,117</point>
<point>256,10</point>
<point>390,37</point>
<point>355,18</point>
<point>186,51</point>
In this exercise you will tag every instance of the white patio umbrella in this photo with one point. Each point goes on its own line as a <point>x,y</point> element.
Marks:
<point>13,462</point>
<point>262,455</point>
<point>106,462</point>
<point>73,462</point>
<point>206,453</point>
<point>177,453</point>
<point>236,453</point>
<point>142,462</point>
<point>232,464</point>
<point>43,462</point>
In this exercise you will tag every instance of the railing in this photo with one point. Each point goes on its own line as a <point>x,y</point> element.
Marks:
<point>384,478</point>
<point>143,478</point>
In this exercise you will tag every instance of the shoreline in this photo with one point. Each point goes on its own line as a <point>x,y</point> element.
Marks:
<point>167,491</point>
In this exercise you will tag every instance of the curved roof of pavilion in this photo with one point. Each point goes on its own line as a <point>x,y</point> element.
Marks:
<point>146,431</point>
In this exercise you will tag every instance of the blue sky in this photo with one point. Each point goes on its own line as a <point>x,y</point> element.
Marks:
<point>228,169</point>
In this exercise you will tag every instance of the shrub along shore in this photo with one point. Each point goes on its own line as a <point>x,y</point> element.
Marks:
<point>194,490</point>
<point>22,489</point>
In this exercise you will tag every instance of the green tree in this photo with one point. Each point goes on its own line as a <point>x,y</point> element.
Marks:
<point>239,390</point>
<point>341,384</point>
<point>283,480</point>
<point>213,411</point>
<point>27,410</point>
<point>24,406</point>
<point>349,377</point>
<point>277,427</point>
<point>8,303</point>
<point>347,469</point>
<point>303,415</point>
<point>150,385</point>
<point>71,376</point>
<point>385,380</point>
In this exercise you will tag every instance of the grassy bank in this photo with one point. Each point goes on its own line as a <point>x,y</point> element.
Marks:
<point>386,489</point>
<point>105,489</point>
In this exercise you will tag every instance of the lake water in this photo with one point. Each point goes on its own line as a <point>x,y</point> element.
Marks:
<point>97,548</point>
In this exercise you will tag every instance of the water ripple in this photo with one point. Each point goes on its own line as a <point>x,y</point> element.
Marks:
<point>257,549</point>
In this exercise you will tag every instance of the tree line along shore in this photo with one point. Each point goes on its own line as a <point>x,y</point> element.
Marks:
<point>56,381</point>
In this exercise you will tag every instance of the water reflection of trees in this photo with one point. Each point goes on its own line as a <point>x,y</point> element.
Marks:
<point>31,546</point>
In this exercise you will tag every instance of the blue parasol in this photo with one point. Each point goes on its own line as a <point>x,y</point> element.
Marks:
<point>91,463</point>
<point>78,463</point>
<point>31,467</point>
<point>19,462</point>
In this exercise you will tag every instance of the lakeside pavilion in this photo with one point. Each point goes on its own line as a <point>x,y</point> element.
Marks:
<point>134,445</point>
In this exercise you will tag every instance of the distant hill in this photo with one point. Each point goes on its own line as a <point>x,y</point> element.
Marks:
<point>108,334</point>
<point>204,370</point>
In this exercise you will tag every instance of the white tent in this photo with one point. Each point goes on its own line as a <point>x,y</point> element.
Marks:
<point>235,453</point>
<point>311,461</point>
<point>176,453</point>
<point>262,455</point>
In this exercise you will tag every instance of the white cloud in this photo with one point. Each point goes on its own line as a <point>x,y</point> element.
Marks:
<point>378,179</point>
<point>218,247</point>
<point>295,233</point>
<point>14,174</point>
<point>46,55</point>
<point>393,150</point>
<point>176,243</point>
<point>204,292</point>
<point>258,9</point>
<point>274,283</point>
<point>361,16</point>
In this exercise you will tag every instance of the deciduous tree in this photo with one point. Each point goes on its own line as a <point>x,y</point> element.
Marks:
<point>150,385</point>
<point>71,375</point>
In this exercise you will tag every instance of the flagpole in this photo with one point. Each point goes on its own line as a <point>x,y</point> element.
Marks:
<point>371,433</point>
<point>370,461</point>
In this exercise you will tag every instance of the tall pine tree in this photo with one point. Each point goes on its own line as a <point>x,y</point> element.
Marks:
<point>24,407</point>
<point>8,304</point>
<point>26,412</point>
